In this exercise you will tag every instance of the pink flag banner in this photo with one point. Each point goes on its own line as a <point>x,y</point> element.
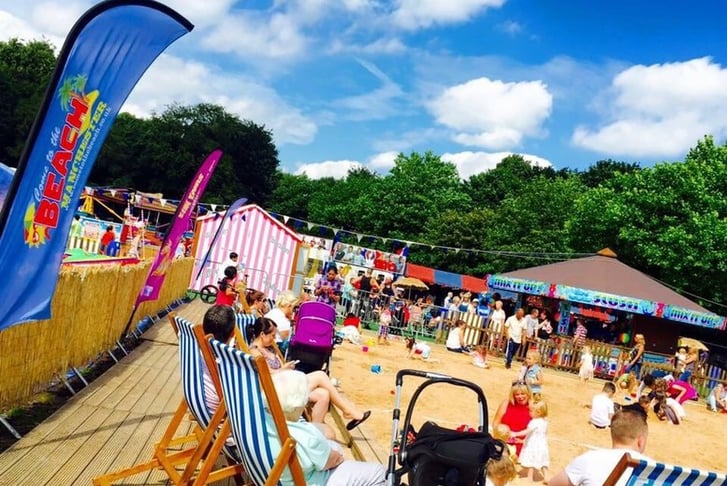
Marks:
<point>179,225</point>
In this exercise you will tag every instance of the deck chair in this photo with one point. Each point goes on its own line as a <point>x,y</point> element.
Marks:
<point>243,380</point>
<point>208,443</point>
<point>242,321</point>
<point>648,472</point>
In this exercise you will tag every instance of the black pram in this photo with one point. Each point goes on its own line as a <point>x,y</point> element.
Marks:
<point>437,456</point>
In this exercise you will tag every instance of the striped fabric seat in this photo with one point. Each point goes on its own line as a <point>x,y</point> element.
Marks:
<point>242,321</point>
<point>192,377</point>
<point>647,473</point>
<point>244,379</point>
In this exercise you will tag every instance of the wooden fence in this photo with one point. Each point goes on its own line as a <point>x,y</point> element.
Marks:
<point>561,353</point>
<point>90,309</point>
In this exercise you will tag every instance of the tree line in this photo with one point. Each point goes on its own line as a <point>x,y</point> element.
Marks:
<point>669,220</point>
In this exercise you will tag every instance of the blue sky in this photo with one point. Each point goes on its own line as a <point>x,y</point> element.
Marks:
<point>353,82</point>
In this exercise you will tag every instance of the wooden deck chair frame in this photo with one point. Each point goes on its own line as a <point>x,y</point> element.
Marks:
<point>653,472</point>
<point>213,353</point>
<point>348,440</point>
<point>167,456</point>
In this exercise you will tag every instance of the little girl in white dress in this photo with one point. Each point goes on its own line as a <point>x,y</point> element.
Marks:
<point>534,454</point>
<point>586,370</point>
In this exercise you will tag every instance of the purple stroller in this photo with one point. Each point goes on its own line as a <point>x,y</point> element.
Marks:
<point>313,337</point>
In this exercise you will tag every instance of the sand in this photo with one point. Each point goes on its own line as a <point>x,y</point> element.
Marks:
<point>698,442</point>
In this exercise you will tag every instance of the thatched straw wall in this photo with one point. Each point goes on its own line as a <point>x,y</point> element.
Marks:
<point>90,309</point>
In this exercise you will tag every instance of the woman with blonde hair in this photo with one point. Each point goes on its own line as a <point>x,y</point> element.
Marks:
<point>636,356</point>
<point>514,411</point>
<point>282,315</point>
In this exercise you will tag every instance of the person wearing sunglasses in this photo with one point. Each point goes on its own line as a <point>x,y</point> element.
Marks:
<point>261,336</point>
<point>514,411</point>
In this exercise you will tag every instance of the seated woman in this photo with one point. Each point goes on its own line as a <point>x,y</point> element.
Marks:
<point>256,303</point>
<point>514,412</point>
<point>281,315</point>
<point>455,339</point>
<point>261,336</point>
<point>717,399</point>
<point>321,460</point>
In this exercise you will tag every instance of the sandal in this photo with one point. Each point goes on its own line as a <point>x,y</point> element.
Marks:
<point>356,422</point>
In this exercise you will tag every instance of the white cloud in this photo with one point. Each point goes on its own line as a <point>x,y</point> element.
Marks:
<point>384,160</point>
<point>471,163</point>
<point>511,27</point>
<point>171,79</point>
<point>15,27</point>
<point>414,14</point>
<point>254,35</point>
<point>659,110</point>
<point>202,14</point>
<point>384,45</point>
<point>493,114</point>
<point>57,18</point>
<point>338,169</point>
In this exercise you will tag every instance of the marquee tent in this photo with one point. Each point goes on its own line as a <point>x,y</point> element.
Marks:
<point>448,279</point>
<point>603,281</point>
<point>267,248</point>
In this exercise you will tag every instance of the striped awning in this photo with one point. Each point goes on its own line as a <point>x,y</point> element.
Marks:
<point>447,279</point>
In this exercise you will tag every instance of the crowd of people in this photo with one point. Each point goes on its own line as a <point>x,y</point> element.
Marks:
<point>521,420</point>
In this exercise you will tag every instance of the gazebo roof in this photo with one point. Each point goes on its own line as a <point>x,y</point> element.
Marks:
<point>605,273</point>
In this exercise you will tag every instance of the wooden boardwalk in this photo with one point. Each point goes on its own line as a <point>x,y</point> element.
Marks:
<point>115,422</point>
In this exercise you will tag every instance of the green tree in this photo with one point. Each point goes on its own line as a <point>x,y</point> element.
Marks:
<point>292,195</point>
<point>165,151</point>
<point>352,203</point>
<point>488,189</point>
<point>669,221</point>
<point>25,71</point>
<point>605,170</point>
<point>416,189</point>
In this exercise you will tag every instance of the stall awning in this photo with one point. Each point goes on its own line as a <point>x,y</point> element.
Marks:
<point>425,274</point>
<point>603,281</point>
<point>448,279</point>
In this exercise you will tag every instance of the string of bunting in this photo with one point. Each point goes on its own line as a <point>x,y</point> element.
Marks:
<point>298,224</point>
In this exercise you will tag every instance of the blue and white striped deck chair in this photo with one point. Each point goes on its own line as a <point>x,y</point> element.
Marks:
<point>242,321</point>
<point>653,473</point>
<point>215,425</point>
<point>244,380</point>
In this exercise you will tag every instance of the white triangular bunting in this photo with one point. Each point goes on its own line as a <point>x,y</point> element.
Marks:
<point>113,192</point>
<point>163,202</point>
<point>214,207</point>
<point>310,225</point>
<point>285,219</point>
<point>358,237</point>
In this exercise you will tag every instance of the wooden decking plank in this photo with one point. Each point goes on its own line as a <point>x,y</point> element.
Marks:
<point>40,457</point>
<point>35,437</point>
<point>64,466</point>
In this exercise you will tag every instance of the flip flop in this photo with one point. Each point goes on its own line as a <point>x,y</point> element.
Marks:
<point>356,422</point>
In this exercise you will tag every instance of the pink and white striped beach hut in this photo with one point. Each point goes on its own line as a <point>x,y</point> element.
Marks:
<point>266,247</point>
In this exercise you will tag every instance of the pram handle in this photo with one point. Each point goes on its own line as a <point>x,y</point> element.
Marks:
<point>399,444</point>
<point>431,376</point>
